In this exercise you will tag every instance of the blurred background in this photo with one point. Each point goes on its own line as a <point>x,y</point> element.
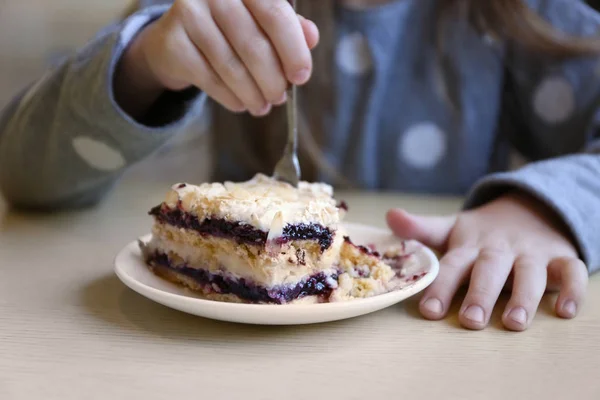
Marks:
<point>34,34</point>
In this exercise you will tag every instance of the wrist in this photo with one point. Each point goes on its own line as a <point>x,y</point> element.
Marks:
<point>135,85</point>
<point>541,210</point>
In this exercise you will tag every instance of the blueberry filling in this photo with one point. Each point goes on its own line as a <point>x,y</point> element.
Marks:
<point>242,233</point>
<point>362,249</point>
<point>395,262</point>
<point>307,232</point>
<point>316,285</point>
<point>343,205</point>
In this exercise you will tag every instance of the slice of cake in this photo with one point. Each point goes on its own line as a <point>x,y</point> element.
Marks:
<point>261,241</point>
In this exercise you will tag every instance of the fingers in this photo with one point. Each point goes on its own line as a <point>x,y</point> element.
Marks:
<point>487,280</point>
<point>281,24</point>
<point>253,48</point>
<point>211,42</point>
<point>191,61</point>
<point>311,32</point>
<point>489,275</point>
<point>529,285</point>
<point>574,279</point>
<point>454,271</point>
<point>245,51</point>
<point>431,231</point>
<point>212,84</point>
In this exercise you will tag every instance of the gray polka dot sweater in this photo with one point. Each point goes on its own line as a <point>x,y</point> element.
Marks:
<point>64,142</point>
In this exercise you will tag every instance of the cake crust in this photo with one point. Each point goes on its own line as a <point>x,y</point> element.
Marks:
<point>259,202</point>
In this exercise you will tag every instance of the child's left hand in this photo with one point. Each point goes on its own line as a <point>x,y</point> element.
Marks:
<point>513,241</point>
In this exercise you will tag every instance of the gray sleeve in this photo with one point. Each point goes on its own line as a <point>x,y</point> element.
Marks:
<point>554,107</point>
<point>64,142</point>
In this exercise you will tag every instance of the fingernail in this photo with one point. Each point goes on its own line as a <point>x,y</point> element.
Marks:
<point>518,315</point>
<point>301,76</point>
<point>263,111</point>
<point>570,308</point>
<point>433,305</point>
<point>475,314</point>
<point>282,99</point>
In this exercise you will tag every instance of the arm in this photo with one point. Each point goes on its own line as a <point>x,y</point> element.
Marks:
<point>66,140</point>
<point>556,106</point>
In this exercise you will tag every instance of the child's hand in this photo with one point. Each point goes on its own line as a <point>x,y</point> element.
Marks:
<point>512,237</point>
<point>242,53</point>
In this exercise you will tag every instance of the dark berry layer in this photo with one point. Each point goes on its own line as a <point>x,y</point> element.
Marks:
<point>242,233</point>
<point>308,232</point>
<point>215,227</point>
<point>316,285</point>
<point>363,249</point>
<point>343,205</point>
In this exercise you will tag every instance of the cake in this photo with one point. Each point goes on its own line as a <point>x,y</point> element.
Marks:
<point>264,241</point>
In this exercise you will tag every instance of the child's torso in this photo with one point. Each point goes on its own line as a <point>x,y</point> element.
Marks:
<point>404,121</point>
<point>408,118</point>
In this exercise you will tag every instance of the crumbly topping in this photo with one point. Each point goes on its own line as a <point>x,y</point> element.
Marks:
<point>261,202</point>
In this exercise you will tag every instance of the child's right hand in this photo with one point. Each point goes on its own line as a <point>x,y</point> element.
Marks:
<point>242,53</point>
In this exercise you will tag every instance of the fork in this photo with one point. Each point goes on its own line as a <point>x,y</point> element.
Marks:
<point>288,167</point>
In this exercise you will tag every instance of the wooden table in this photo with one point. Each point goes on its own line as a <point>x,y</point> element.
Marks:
<point>70,330</point>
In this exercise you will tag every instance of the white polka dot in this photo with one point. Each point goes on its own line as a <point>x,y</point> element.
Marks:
<point>132,28</point>
<point>489,40</point>
<point>554,100</point>
<point>97,154</point>
<point>422,146</point>
<point>353,55</point>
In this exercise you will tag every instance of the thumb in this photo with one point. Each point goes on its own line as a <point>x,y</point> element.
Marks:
<point>431,231</point>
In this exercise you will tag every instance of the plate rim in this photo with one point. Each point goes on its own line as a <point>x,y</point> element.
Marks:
<point>138,286</point>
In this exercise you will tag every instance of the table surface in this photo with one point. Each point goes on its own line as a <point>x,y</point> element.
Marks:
<point>69,329</point>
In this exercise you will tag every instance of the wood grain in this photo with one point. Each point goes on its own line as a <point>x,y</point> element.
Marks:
<point>70,330</point>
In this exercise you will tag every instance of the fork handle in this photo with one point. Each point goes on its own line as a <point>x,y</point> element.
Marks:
<point>292,115</point>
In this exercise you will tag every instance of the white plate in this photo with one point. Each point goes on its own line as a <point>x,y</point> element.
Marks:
<point>131,269</point>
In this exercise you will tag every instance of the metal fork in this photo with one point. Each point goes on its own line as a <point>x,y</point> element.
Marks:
<point>288,167</point>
